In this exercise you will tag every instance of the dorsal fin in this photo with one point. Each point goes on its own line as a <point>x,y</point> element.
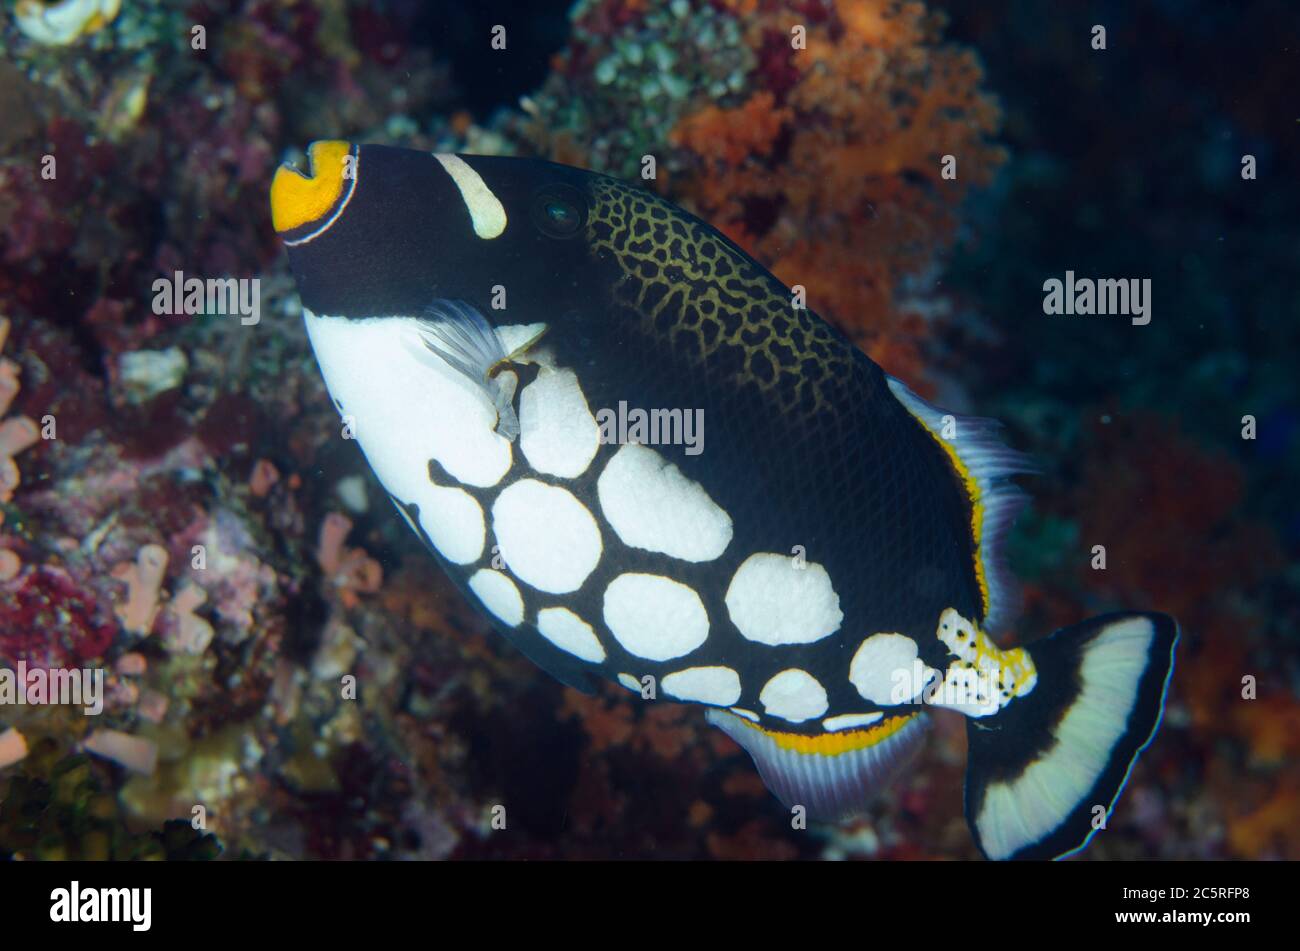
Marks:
<point>833,775</point>
<point>984,464</point>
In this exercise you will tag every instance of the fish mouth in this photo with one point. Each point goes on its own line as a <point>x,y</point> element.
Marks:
<point>305,205</point>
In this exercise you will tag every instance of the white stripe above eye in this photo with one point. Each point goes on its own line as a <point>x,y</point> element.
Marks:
<point>485,209</point>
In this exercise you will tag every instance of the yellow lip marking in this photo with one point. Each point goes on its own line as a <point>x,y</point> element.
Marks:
<point>485,209</point>
<point>298,199</point>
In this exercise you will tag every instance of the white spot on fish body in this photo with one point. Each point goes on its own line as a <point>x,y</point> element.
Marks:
<point>558,434</point>
<point>499,595</point>
<point>883,669</point>
<point>772,602</point>
<point>794,695</point>
<point>719,686</point>
<point>453,520</point>
<point>570,633</point>
<point>630,682</point>
<point>651,505</point>
<point>547,537</point>
<point>655,617</point>
<point>850,720</point>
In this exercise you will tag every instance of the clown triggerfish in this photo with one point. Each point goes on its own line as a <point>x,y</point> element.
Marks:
<point>817,568</point>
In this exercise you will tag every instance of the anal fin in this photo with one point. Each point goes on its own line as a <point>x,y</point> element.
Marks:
<point>833,775</point>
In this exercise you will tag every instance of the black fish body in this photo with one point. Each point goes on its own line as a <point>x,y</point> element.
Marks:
<point>800,543</point>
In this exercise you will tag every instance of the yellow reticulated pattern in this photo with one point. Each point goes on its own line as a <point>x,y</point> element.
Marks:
<point>700,296</point>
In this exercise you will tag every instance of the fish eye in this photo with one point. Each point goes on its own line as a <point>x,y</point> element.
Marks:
<point>559,211</point>
<point>561,214</point>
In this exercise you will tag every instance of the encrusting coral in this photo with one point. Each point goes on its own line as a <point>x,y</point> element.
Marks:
<point>349,571</point>
<point>64,21</point>
<point>17,433</point>
<point>832,172</point>
<point>144,581</point>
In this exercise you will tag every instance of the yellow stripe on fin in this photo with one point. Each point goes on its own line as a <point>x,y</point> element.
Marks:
<point>983,464</point>
<point>833,744</point>
<point>831,775</point>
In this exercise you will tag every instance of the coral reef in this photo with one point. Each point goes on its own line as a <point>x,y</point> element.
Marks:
<point>629,74</point>
<point>64,21</point>
<point>56,808</point>
<point>348,570</point>
<point>813,134</point>
<point>310,684</point>
<point>17,433</point>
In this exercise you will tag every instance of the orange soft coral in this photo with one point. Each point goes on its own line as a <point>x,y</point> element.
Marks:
<point>1272,828</point>
<point>832,176</point>
<point>731,136</point>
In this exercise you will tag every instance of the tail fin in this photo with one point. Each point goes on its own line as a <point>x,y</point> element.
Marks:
<point>1038,770</point>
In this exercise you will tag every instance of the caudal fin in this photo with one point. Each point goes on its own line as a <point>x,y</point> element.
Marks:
<point>1043,770</point>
